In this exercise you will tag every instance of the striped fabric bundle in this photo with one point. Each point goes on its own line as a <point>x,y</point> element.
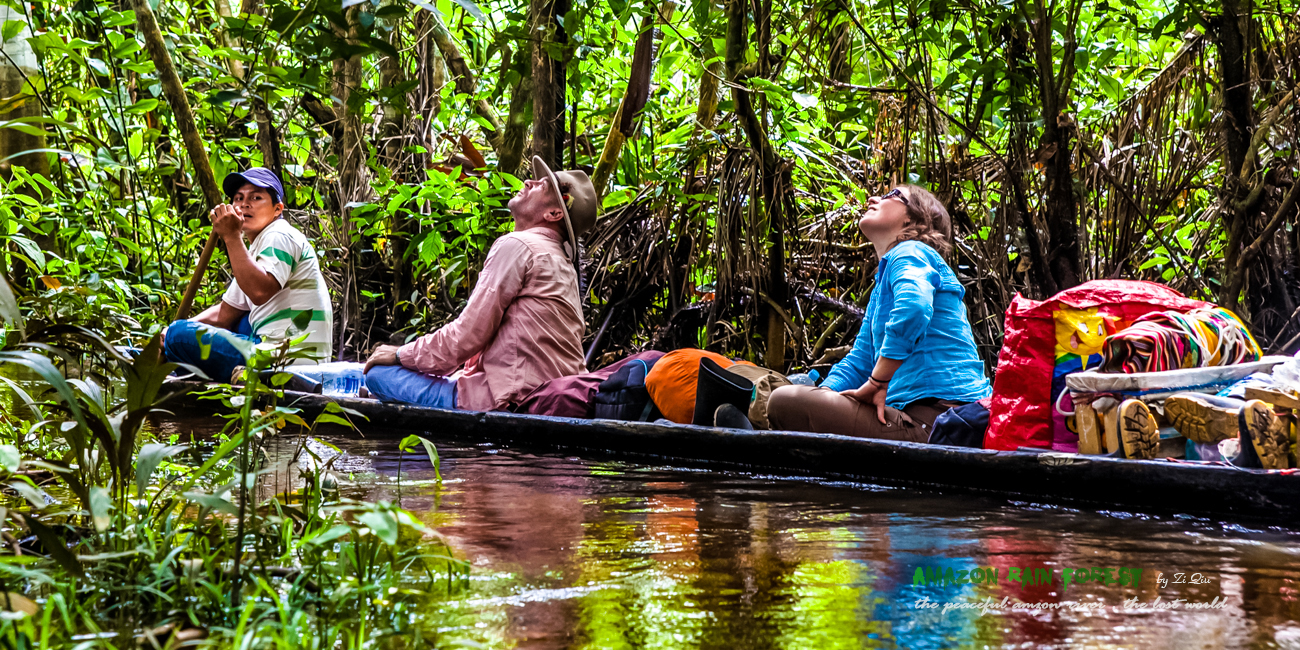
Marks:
<point>1169,340</point>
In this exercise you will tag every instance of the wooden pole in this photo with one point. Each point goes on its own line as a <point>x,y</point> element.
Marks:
<point>175,93</point>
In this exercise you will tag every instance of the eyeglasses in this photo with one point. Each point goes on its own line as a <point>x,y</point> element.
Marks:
<point>896,194</point>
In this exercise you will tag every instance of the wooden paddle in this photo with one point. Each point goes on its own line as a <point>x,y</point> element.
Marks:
<point>175,93</point>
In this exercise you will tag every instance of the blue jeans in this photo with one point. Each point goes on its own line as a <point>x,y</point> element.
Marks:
<point>397,384</point>
<point>181,345</point>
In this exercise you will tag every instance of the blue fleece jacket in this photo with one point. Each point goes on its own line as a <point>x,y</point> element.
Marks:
<point>916,315</point>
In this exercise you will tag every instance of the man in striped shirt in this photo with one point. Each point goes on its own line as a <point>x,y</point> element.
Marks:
<point>278,292</point>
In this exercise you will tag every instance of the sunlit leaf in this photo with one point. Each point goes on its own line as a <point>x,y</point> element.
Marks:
<point>472,9</point>
<point>10,458</point>
<point>151,455</point>
<point>382,523</point>
<point>408,443</point>
<point>100,505</point>
<point>9,306</point>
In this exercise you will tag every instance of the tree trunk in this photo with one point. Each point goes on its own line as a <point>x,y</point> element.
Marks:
<point>1018,168</point>
<point>838,67</point>
<point>706,110</point>
<point>268,136</point>
<point>466,82</point>
<point>392,125</point>
<point>431,71</point>
<point>350,147</point>
<point>737,44</point>
<point>515,134</point>
<point>172,89</point>
<point>353,178</point>
<point>1238,120</point>
<point>16,68</point>
<point>634,97</point>
<point>1056,148</point>
<point>548,79</point>
<point>393,130</point>
<point>235,66</point>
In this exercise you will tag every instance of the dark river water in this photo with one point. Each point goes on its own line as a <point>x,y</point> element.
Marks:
<point>570,552</point>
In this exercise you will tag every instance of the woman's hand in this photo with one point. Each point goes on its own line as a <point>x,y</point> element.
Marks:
<point>384,355</point>
<point>870,394</point>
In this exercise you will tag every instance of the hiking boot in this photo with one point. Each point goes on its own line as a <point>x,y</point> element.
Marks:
<point>1206,419</point>
<point>1139,436</point>
<point>1265,441</point>
<point>730,417</point>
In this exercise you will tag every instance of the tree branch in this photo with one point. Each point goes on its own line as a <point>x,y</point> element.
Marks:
<point>1248,255</point>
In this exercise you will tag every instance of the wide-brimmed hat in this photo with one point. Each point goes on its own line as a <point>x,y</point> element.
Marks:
<point>577,194</point>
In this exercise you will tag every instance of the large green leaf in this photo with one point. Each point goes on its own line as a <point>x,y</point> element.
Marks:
<point>10,458</point>
<point>408,443</point>
<point>46,371</point>
<point>383,523</point>
<point>100,506</point>
<point>151,455</point>
<point>9,307</point>
<point>55,547</point>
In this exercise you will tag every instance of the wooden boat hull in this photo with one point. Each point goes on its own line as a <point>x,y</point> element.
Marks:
<point>1083,481</point>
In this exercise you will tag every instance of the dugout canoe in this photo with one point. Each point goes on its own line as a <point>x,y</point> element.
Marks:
<point>1088,482</point>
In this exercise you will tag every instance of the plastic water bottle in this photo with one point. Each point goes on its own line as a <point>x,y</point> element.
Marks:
<point>809,378</point>
<point>338,378</point>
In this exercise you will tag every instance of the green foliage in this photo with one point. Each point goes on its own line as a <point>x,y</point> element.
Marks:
<point>927,92</point>
<point>154,526</point>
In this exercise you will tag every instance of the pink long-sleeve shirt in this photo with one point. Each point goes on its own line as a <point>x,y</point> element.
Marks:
<point>523,326</point>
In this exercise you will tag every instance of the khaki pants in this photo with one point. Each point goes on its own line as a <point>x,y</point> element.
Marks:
<point>822,410</point>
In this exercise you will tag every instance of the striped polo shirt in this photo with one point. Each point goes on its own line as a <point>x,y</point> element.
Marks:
<point>286,254</point>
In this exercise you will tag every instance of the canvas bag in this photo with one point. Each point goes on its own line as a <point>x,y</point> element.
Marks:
<point>1046,341</point>
<point>765,381</point>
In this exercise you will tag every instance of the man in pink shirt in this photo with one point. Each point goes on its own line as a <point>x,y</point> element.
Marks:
<point>523,324</point>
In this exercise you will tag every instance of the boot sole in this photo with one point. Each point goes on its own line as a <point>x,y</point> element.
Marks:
<point>1137,430</point>
<point>1200,422</point>
<point>1268,435</point>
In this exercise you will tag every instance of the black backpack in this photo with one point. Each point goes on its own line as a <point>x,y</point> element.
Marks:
<point>961,426</point>
<point>624,396</point>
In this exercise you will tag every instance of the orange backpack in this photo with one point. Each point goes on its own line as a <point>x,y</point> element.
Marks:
<point>671,383</point>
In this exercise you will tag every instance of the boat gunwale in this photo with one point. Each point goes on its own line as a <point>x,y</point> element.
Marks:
<point>1039,477</point>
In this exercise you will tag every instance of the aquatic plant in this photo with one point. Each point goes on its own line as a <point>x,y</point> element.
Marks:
<point>118,540</point>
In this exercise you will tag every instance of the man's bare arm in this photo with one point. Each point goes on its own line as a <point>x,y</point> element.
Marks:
<point>222,314</point>
<point>256,283</point>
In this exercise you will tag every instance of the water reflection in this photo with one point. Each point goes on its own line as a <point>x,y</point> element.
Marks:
<point>579,553</point>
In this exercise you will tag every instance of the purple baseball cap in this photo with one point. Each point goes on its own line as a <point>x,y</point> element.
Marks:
<point>259,176</point>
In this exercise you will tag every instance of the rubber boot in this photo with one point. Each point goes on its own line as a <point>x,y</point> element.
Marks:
<point>730,417</point>
<point>716,387</point>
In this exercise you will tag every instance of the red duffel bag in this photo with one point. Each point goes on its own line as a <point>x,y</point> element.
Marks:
<point>1046,340</point>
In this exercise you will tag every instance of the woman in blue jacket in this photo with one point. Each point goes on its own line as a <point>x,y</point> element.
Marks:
<point>915,355</point>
